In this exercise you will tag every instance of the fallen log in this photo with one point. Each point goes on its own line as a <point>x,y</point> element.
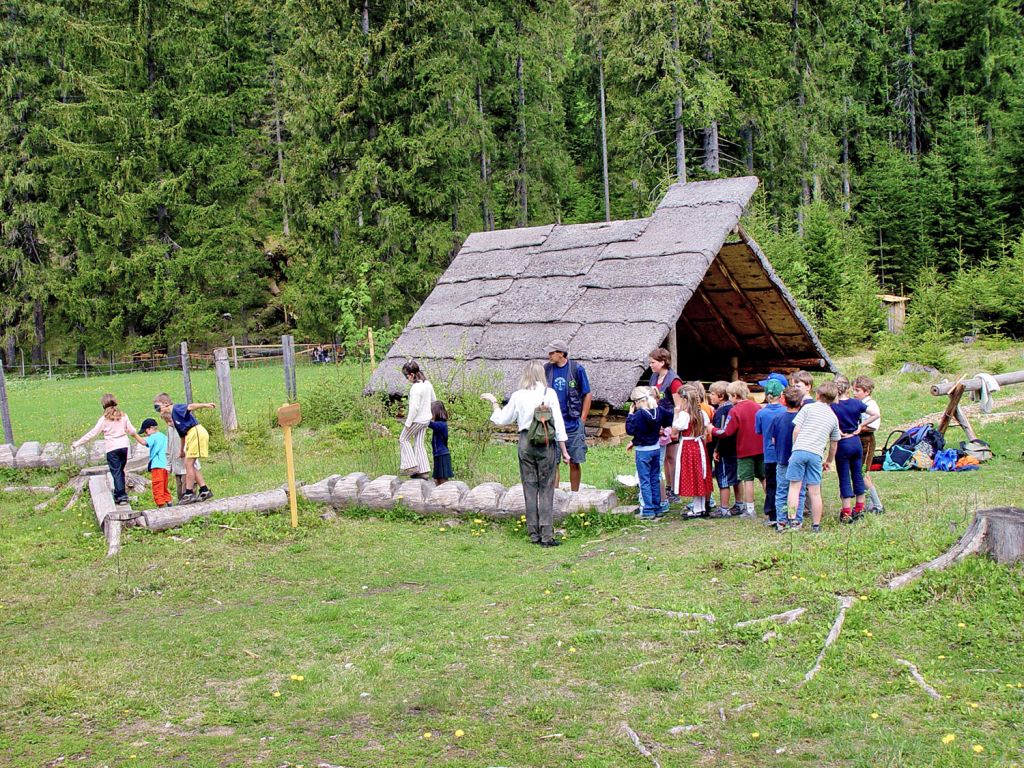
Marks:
<point>172,517</point>
<point>997,532</point>
<point>28,489</point>
<point>782,618</point>
<point>974,385</point>
<point>640,746</point>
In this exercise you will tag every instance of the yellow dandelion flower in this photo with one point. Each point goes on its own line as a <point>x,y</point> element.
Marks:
<point>942,655</point>
<point>961,624</point>
<point>874,715</point>
<point>428,735</point>
<point>132,757</point>
<point>459,733</point>
<point>277,694</point>
<point>868,633</point>
<point>547,591</point>
<point>572,650</point>
<point>300,678</point>
<point>794,578</point>
<point>755,735</point>
<point>978,748</point>
<point>949,738</point>
<point>293,677</point>
<point>442,529</point>
<point>863,597</point>
<point>974,705</point>
<point>566,598</point>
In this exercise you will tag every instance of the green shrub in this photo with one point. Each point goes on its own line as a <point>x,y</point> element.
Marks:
<point>330,401</point>
<point>927,348</point>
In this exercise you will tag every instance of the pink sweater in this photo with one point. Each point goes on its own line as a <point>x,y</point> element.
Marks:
<point>115,433</point>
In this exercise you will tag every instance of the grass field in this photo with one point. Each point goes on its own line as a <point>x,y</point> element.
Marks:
<point>387,641</point>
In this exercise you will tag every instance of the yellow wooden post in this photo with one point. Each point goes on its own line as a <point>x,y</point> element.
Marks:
<point>289,416</point>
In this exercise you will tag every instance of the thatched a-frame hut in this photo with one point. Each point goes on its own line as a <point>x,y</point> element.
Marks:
<point>688,278</point>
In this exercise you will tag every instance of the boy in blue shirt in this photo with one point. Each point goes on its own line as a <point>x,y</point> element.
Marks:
<point>156,442</point>
<point>780,434</point>
<point>762,424</point>
<point>195,443</point>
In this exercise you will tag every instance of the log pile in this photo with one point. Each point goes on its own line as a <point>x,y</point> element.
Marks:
<point>490,500</point>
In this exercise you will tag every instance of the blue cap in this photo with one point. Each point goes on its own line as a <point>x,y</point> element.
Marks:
<point>779,377</point>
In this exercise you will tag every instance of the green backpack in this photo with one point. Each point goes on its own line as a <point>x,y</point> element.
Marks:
<point>543,427</point>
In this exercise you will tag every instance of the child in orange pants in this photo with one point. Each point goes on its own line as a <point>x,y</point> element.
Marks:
<point>156,442</point>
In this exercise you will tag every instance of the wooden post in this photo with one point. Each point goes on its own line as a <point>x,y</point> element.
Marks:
<point>5,411</point>
<point>49,365</point>
<point>735,363</point>
<point>673,346</point>
<point>110,360</point>
<point>22,351</point>
<point>289,416</point>
<point>234,354</point>
<point>288,354</point>
<point>373,353</point>
<point>186,374</point>
<point>228,418</point>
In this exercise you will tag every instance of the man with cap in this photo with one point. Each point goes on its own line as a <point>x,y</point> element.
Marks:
<point>569,380</point>
<point>773,386</point>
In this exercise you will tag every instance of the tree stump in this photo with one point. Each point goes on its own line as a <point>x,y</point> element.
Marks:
<point>998,532</point>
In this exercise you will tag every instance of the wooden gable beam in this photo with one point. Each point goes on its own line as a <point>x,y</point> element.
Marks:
<point>750,308</point>
<point>720,317</point>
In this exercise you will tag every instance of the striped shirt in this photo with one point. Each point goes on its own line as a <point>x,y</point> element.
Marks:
<point>818,425</point>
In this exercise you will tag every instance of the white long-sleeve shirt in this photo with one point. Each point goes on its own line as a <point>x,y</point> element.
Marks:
<point>524,402</point>
<point>115,433</point>
<point>421,398</point>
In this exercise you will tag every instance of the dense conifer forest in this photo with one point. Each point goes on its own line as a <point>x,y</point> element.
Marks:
<point>192,169</point>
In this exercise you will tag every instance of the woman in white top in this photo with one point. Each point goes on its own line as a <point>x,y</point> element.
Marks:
<point>413,456</point>
<point>538,464</point>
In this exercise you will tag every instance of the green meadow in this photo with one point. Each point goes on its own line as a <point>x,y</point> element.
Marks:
<point>389,639</point>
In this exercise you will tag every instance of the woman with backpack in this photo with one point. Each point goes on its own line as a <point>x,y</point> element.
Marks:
<point>534,409</point>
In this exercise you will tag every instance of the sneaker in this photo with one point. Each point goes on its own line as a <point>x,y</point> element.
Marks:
<point>792,527</point>
<point>736,510</point>
<point>187,498</point>
<point>781,526</point>
<point>846,516</point>
<point>769,522</point>
<point>205,495</point>
<point>552,543</point>
<point>878,510</point>
<point>815,528</point>
<point>719,514</point>
<point>691,514</point>
<point>674,498</point>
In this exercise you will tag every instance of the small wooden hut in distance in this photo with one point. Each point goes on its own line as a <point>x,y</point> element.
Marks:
<point>687,278</point>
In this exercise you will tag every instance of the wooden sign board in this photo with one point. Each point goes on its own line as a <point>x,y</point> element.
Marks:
<point>289,415</point>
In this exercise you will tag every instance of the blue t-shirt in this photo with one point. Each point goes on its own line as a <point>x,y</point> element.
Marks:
<point>780,431</point>
<point>157,444</point>
<point>560,382</point>
<point>848,412</point>
<point>183,419</point>
<point>726,446</point>
<point>439,437</point>
<point>762,423</point>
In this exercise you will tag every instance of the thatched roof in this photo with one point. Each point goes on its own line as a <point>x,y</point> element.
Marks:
<point>613,290</point>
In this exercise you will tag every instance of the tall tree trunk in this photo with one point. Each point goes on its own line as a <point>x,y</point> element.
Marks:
<point>521,123</point>
<point>845,159</point>
<point>678,106</point>
<point>911,89</point>
<point>39,328</point>
<point>712,156</point>
<point>748,146</point>
<point>279,143</point>
<point>604,133</point>
<point>485,165</point>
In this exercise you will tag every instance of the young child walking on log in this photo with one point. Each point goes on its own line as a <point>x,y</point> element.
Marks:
<point>195,443</point>
<point>115,428</point>
<point>156,442</point>
<point>439,443</point>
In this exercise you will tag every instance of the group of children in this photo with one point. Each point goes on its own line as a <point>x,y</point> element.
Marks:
<point>785,445</point>
<point>176,453</point>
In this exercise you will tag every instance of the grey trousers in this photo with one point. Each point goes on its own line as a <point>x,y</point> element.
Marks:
<point>538,470</point>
